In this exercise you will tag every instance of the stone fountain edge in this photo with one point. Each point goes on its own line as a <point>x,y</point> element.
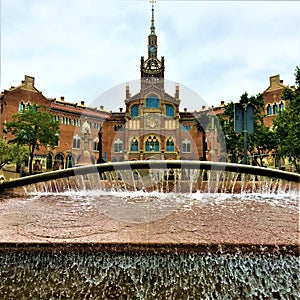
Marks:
<point>155,248</point>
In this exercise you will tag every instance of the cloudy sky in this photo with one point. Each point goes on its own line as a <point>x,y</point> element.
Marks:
<point>81,49</point>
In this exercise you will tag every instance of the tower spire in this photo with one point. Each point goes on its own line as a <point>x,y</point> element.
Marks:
<point>152,67</point>
<point>152,28</point>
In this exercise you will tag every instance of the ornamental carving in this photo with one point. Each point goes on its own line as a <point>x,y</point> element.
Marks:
<point>152,122</point>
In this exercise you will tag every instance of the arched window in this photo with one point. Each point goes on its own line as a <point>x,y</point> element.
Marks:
<point>269,110</point>
<point>275,109</point>
<point>76,142</point>
<point>58,161</point>
<point>21,107</point>
<point>34,107</point>
<point>70,161</point>
<point>134,110</point>
<point>49,161</point>
<point>134,145</point>
<point>28,106</point>
<point>281,106</point>
<point>170,111</point>
<point>152,102</point>
<point>170,146</point>
<point>186,146</point>
<point>118,146</point>
<point>152,144</point>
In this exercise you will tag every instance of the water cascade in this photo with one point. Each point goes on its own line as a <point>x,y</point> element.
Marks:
<point>140,276</point>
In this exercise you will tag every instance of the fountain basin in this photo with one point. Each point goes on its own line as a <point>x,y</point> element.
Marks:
<point>197,222</point>
<point>102,234</point>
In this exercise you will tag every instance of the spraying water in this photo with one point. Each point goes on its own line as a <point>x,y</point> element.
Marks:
<point>184,207</point>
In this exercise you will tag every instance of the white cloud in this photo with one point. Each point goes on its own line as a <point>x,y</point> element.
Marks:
<point>79,49</point>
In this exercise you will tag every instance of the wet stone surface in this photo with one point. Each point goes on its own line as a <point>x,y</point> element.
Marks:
<point>143,218</point>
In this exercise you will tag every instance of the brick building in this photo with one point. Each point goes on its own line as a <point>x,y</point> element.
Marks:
<point>272,99</point>
<point>71,117</point>
<point>150,127</point>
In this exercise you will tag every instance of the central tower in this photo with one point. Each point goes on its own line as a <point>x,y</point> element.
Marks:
<point>151,127</point>
<point>152,69</point>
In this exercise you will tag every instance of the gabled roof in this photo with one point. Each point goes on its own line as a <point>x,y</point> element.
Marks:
<point>153,89</point>
<point>27,84</point>
<point>275,84</point>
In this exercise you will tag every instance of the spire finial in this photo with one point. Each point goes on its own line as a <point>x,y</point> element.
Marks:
<point>152,20</point>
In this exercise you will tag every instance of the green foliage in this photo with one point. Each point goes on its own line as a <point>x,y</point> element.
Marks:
<point>234,141</point>
<point>259,143</point>
<point>11,153</point>
<point>34,127</point>
<point>287,125</point>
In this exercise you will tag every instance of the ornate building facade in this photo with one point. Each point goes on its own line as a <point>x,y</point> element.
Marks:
<point>150,127</point>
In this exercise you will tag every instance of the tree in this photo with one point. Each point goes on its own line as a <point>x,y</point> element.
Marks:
<point>260,143</point>
<point>34,127</point>
<point>234,141</point>
<point>263,140</point>
<point>11,153</point>
<point>287,125</point>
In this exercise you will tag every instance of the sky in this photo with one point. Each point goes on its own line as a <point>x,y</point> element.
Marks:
<point>84,49</point>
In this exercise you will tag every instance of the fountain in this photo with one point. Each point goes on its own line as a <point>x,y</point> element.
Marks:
<point>151,230</point>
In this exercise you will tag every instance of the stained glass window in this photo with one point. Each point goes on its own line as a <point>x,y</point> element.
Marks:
<point>275,109</point>
<point>281,106</point>
<point>170,112</point>
<point>134,145</point>
<point>152,144</point>
<point>152,102</point>
<point>134,111</point>
<point>170,147</point>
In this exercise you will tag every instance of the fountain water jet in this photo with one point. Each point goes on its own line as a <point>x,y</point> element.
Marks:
<point>150,165</point>
<point>105,233</point>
